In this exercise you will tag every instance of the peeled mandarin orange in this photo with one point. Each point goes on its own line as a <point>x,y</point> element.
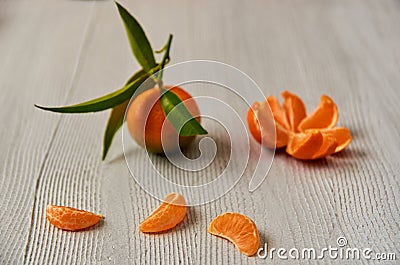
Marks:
<point>145,120</point>
<point>342,136</point>
<point>305,137</point>
<point>305,145</point>
<point>325,116</point>
<point>169,214</point>
<point>294,108</point>
<point>264,128</point>
<point>68,218</point>
<point>239,229</point>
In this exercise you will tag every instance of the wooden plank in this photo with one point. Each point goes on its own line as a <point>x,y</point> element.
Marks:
<point>347,50</point>
<point>38,64</point>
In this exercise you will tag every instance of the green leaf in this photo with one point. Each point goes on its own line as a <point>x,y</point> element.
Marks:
<point>140,45</point>
<point>117,114</point>
<point>101,103</point>
<point>179,116</point>
<point>115,122</point>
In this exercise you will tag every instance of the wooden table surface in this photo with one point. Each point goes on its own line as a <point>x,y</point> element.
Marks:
<point>60,52</point>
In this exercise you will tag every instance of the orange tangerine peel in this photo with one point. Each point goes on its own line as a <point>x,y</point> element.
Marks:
<point>305,137</point>
<point>169,214</point>
<point>238,229</point>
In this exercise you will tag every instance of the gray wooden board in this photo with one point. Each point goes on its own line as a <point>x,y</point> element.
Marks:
<point>59,52</point>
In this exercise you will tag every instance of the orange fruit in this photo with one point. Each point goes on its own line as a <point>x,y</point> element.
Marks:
<point>238,229</point>
<point>294,108</point>
<point>68,218</point>
<point>324,117</point>
<point>169,214</point>
<point>305,137</point>
<point>146,113</point>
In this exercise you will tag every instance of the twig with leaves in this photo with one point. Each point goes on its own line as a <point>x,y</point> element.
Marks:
<point>118,100</point>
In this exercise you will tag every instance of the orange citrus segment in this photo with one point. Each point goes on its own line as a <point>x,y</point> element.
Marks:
<point>328,146</point>
<point>294,108</point>
<point>278,111</point>
<point>252,121</point>
<point>72,219</point>
<point>305,145</point>
<point>170,213</point>
<point>239,229</point>
<point>342,136</point>
<point>261,123</point>
<point>325,116</point>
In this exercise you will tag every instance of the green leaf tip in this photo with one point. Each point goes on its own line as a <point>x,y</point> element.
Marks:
<point>115,122</point>
<point>139,43</point>
<point>102,103</point>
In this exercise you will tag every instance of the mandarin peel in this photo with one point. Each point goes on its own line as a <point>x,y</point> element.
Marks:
<point>238,229</point>
<point>169,214</point>
<point>305,137</point>
<point>71,219</point>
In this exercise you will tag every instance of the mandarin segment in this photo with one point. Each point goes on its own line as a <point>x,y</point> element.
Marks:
<point>294,108</point>
<point>342,136</point>
<point>305,146</point>
<point>328,146</point>
<point>253,123</point>
<point>68,218</point>
<point>325,116</point>
<point>169,214</point>
<point>238,229</point>
<point>278,111</point>
<point>264,128</point>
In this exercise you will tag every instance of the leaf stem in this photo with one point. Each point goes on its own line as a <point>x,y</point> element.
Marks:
<point>164,61</point>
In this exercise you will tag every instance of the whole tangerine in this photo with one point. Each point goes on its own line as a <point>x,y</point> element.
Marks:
<point>145,119</point>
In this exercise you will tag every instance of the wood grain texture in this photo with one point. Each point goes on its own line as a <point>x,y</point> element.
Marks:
<point>59,52</point>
